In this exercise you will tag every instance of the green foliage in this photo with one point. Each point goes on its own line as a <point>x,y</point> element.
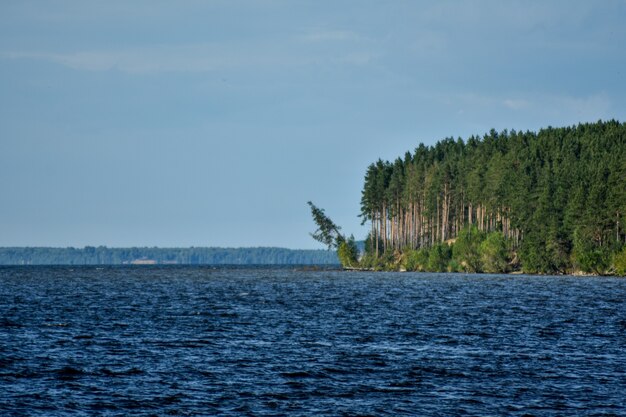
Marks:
<point>536,188</point>
<point>619,262</point>
<point>588,255</point>
<point>387,261</point>
<point>416,260</point>
<point>409,260</point>
<point>454,266</point>
<point>467,249</point>
<point>370,244</point>
<point>494,253</point>
<point>327,232</point>
<point>438,258</point>
<point>348,253</point>
<point>534,257</point>
<point>382,262</point>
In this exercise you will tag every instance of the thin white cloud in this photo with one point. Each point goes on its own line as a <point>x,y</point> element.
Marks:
<point>195,58</point>
<point>208,56</point>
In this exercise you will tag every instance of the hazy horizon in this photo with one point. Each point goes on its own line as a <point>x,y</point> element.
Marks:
<point>211,124</point>
<point>167,247</point>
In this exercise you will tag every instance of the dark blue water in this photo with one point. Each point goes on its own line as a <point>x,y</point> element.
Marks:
<point>274,342</point>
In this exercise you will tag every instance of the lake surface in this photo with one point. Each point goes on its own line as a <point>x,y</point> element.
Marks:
<point>272,342</point>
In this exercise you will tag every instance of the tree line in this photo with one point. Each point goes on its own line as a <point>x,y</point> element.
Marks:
<point>102,255</point>
<point>552,201</point>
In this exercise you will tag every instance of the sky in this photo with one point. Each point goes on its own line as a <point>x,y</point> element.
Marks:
<point>212,123</point>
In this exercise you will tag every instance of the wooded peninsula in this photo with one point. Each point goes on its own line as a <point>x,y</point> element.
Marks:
<point>550,202</point>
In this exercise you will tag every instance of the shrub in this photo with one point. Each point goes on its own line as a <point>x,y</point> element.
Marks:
<point>619,262</point>
<point>348,253</point>
<point>439,257</point>
<point>588,256</point>
<point>416,260</point>
<point>467,249</point>
<point>494,253</point>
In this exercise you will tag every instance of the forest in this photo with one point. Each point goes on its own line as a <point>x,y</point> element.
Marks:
<point>550,202</point>
<point>101,255</point>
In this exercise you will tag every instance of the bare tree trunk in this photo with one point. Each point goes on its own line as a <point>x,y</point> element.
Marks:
<point>435,224</point>
<point>384,219</point>
<point>617,227</point>
<point>444,214</point>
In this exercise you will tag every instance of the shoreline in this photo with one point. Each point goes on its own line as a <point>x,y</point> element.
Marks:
<point>574,274</point>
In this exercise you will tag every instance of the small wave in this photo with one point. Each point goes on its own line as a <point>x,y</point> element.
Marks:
<point>103,405</point>
<point>297,374</point>
<point>169,399</point>
<point>319,343</point>
<point>296,385</point>
<point>337,371</point>
<point>9,323</point>
<point>7,361</point>
<point>68,372</point>
<point>392,389</point>
<point>187,343</point>
<point>125,372</point>
<point>277,395</point>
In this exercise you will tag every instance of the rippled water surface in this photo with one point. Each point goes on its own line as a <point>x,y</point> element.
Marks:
<point>273,342</point>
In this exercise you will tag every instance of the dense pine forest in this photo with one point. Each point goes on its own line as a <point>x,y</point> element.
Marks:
<point>546,202</point>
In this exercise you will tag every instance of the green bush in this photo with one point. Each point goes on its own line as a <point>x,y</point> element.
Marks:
<point>467,251</point>
<point>410,260</point>
<point>494,253</point>
<point>439,257</point>
<point>348,253</point>
<point>454,266</point>
<point>416,260</point>
<point>619,262</point>
<point>588,256</point>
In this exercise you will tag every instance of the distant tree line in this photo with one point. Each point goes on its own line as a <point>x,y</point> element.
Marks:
<point>546,202</point>
<point>102,255</point>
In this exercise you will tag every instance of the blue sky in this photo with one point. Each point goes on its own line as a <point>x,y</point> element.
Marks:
<point>212,123</point>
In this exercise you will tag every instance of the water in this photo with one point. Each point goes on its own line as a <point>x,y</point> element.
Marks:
<point>274,342</point>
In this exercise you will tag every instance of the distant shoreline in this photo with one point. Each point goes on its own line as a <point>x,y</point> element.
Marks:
<point>102,255</point>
